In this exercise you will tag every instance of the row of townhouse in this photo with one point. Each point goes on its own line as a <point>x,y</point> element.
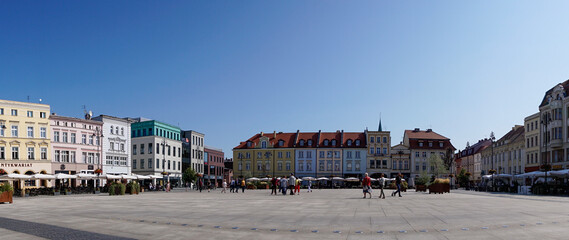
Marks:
<point>345,154</point>
<point>541,143</point>
<point>33,140</point>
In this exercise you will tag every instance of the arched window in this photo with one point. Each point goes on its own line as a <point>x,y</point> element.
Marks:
<point>281,143</point>
<point>264,144</point>
<point>301,142</point>
<point>112,129</point>
<point>309,142</point>
<point>358,142</point>
<point>122,131</point>
<point>349,142</point>
<point>333,142</point>
<point>325,142</point>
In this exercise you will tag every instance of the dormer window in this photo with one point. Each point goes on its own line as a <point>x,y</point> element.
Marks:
<point>430,144</point>
<point>248,144</point>
<point>441,144</point>
<point>301,142</point>
<point>281,143</point>
<point>358,142</point>
<point>264,144</point>
<point>309,142</point>
<point>333,142</point>
<point>349,142</point>
<point>325,142</point>
<point>420,144</point>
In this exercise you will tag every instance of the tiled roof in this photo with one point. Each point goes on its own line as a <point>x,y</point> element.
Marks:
<point>476,148</point>
<point>417,136</point>
<point>517,133</point>
<point>424,135</point>
<point>289,139</point>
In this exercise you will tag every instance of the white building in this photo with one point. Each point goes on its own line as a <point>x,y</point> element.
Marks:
<point>116,145</point>
<point>196,150</point>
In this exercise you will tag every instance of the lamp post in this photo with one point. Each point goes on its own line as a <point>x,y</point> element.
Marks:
<point>546,120</point>
<point>241,162</point>
<point>268,155</point>
<point>98,135</point>
<point>492,138</point>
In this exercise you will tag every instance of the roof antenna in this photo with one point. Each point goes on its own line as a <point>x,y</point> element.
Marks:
<point>28,98</point>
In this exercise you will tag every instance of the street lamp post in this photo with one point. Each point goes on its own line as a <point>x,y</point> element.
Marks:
<point>492,138</point>
<point>98,135</point>
<point>546,120</point>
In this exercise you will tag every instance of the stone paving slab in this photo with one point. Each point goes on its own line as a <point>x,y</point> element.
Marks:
<point>322,214</point>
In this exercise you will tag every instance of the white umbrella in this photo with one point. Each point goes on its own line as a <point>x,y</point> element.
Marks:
<point>155,177</point>
<point>64,176</point>
<point>560,173</point>
<point>308,179</point>
<point>264,179</point>
<point>337,178</point>
<point>252,179</point>
<point>351,179</point>
<point>108,176</point>
<point>15,176</point>
<point>43,176</point>
<point>125,176</point>
<point>323,178</point>
<point>86,176</point>
<point>143,177</point>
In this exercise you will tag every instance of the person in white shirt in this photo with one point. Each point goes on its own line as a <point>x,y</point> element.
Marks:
<point>284,183</point>
<point>224,185</point>
<point>381,185</point>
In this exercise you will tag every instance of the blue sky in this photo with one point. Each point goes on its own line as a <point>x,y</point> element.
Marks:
<point>231,69</point>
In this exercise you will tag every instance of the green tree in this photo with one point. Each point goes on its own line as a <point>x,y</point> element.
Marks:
<point>189,175</point>
<point>463,178</point>
<point>448,158</point>
<point>439,167</point>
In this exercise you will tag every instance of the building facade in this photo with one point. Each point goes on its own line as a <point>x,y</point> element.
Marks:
<point>400,160</point>
<point>554,130</point>
<point>25,139</point>
<point>305,152</point>
<point>116,142</point>
<point>532,142</point>
<point>470,159</point>
<point>354,153</point>
<point>214,165</point>
<point>329,154</point>
<point>507,154</point>
<point>156,150</point>
<point>379,152</point>
<point>423,144</point>
<point>75,146</point>
<point>194,149</point>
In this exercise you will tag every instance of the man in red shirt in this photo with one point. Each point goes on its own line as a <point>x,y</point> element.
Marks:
<point>274,186</point>
<point>366,183</point>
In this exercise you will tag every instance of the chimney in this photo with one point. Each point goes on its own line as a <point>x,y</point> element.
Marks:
<point>274,134</point>
<point>417,129</point>
<point>261,134</point>
<point>429,130</point>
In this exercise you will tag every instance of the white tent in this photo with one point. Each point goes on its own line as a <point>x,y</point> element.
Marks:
<point>155,176</point>
<point>86,176</point>
<point>15,176</point>
<point>560,173</point>
<point>108,176</point>
<point>337,178</point>
<point>125,176</point>
<point>43,176</point>
<point>142,177</point>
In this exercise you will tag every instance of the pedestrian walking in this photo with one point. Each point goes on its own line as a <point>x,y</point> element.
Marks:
<point>243,185</point>
<point>398,183</point>
<point>232,185</point>
<point>297,186</point>
<point>200,184</point>
<point>291,183</point>
<point>381,185</point>
<point>366,183</point>
<point>309,186</point>
<point>284,183</point>
<point>224,185</point>
<point>168,187</point>
<point>274,185</point>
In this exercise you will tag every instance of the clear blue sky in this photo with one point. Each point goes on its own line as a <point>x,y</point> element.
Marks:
<point>231,69</point>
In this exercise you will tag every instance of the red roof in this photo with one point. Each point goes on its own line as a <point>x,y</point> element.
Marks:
<point>418,136</point>
<point>424,135</point>
<point>289,139</point>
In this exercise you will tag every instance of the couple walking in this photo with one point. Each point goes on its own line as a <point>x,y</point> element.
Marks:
<point>366,182</point>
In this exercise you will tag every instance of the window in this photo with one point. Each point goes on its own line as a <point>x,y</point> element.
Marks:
<point>301,166</point>
<point>430,144</point>
<point>349,166</point>
<point>14,112</point>
<point>73,140</point>
<point>2,151</point>
<point>358,142</point>
<point>72,157</point>
<point>142,148</point>
<point>263,144</point>
<point>329,165</point>
<point>326,142</point>
<point>371,151</point>
<point>349,142</point>
<point>150,148</point>
<point>309,154</point>
<point>301,143</point>
<point>358,155</point>
<point>133,163</point>
<point>300,154</point>
<point>169,151</point>
<point>378,150</point>
<point>420,144</point>
<point>134,149</point>
<point>309,142</point>
<point>157,163</point>
<point>333,142</point>
<point>357,165</point>
<point>371,139</point>
<point>30,114</point>
<point>384,163</point>
<point>31,154</point>
<point>56,136</point>
<point>150,163</point>
<point>30,132</point>
<point>42,115</point>
<point>321,166</point>
<point>384,139</point>
<point>322,154</point>
<point>441,144</point>
<point>281,143</point>
<point>287,154</point>
<point>112,130</point>
<point>43,153</point>
<point>424,154</point>
<point>1,111</point>
<point>2,130</point>
<point>122,131</point>
<point>308,165</point>
<point>288,166</point>
<point>84,139</point>
<point>336,165</point>
<point>14,131</point>
<point>384,150</point>
<point>372,164</point>
<point>279,154</point>
<point>349,154</point>
<point>91,138</point>
<point>112,146</point>
<point>248,166</point>
<point>329,155</point>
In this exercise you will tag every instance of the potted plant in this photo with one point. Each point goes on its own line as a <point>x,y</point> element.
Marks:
<point>27,193</point>
<point>439,186</point>
<point>421,182</point>
<point>98,171</point>
<point>6,192</point>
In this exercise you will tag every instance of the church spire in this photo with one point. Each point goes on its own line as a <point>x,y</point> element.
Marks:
<point>380,129</point>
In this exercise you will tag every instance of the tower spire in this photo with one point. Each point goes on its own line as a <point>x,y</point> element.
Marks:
<point>379,128</point>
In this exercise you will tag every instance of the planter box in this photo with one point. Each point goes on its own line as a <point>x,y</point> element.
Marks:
<point>6,197</point>
<point>421,188</point>
<point>439,188</point>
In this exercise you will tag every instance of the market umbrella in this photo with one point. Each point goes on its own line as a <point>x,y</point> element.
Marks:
<point>86,176</point>
<point>43,176</point>
<point>308,178</point>
<point>126,176</point>
<point>15,176</point>
<point>337,178</point>
<point>323,178</point>
<point>252,179</point>
<point>351,179</point>
<point>141,177</point>
<point>64,176</point>
<point>109,176</point>
<point>264,179</point>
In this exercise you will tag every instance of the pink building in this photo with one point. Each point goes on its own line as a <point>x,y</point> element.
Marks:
<point>76,146</point>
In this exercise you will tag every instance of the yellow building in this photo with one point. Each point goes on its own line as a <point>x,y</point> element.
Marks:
<point>25,139</point>
<point>379,154</point>
<point>532,143</point>
<point>265,154</point>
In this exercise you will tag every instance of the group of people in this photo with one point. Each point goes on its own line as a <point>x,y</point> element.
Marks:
<point>367,189</point>
<point>235,184</point>
<point>292,183</point>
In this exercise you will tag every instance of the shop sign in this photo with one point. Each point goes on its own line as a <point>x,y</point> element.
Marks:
<point>16,165</point>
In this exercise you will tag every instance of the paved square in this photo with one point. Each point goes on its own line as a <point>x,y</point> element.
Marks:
<point>322,214</point>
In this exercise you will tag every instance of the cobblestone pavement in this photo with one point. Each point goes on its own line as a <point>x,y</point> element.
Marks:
<point>255,214</point>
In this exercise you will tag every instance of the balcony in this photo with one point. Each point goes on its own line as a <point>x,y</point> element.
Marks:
<point>556,143</point>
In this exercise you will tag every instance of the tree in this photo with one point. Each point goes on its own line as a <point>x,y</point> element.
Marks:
<point>189,175</point>
<point>463,178</point>
<point>448,158</point>
<point>439,167</point>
